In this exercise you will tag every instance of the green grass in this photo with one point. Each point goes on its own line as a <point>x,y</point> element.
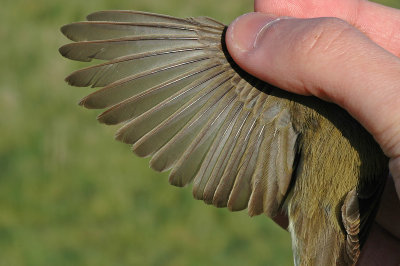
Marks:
<point>69,193</point>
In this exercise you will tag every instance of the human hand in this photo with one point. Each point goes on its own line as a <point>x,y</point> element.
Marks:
<point>353,66</point>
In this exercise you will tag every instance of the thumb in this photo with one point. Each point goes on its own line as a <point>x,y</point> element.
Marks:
<point>327,58</point>
<point>317,56</point>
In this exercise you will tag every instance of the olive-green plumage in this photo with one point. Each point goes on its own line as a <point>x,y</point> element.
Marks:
<point>325,177</point>
<point>243,143</point>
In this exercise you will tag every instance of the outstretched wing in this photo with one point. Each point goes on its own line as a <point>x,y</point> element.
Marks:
<point>185,103</point>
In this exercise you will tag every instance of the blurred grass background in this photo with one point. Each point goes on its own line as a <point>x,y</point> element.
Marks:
<point>69,194</point>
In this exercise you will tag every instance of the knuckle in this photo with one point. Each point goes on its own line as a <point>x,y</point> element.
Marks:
<point>322,36</point>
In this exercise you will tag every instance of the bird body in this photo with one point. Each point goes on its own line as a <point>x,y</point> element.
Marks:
<point>242,142</point>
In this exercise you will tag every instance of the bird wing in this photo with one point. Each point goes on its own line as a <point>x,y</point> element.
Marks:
<point>184,102</point>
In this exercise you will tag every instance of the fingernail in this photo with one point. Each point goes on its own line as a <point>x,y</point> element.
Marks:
<point>246,29</point>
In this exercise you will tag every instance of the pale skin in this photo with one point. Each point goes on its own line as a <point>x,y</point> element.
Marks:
<point>351,60</point>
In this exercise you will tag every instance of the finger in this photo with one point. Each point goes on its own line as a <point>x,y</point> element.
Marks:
<point>380,23</point>
<point>388,216</point>
<point>381,248</point>
<point>328,58</point>
<point>394,167</point>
